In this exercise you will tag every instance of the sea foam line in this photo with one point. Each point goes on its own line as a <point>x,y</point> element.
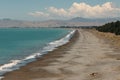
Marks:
<point>16,64</point>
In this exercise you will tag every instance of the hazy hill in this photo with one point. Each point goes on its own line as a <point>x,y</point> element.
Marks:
<point>78,21</point>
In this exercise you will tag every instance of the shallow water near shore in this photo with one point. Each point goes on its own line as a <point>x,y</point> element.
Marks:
<point>86,57</point>
<point>23,45</point>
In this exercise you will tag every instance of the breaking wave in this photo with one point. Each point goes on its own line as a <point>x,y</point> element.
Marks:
<point>16,64</point>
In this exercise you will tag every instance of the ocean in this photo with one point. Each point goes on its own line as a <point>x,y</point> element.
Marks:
<point>19,46</point>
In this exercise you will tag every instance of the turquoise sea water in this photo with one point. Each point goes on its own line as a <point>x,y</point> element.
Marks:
<point>19,46</point>
<point>18,43</point>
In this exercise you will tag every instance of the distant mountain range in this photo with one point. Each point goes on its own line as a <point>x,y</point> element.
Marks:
<point>78,21</point>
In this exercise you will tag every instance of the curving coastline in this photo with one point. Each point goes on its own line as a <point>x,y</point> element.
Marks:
<point>16,64</point>
<point>85,57</point>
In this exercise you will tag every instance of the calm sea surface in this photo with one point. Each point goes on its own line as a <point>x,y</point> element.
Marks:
<point>18,43</point>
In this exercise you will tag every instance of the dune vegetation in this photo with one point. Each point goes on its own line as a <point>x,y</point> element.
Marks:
<point>113,27</point>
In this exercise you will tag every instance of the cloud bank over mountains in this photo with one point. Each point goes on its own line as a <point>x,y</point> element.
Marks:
<point>105,10</point>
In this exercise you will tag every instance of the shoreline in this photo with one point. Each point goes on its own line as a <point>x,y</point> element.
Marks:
<point>86,57</point>
<point>42,60</point>
<point>16,64</point>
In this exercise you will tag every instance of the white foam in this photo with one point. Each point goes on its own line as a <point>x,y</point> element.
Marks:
<point>1,78</point>
<point>16,64</point>
<point>53,45</point>
<point>35,55</point>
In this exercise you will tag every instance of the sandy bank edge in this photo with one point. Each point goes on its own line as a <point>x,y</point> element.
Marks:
<point>109,38</point>
<point>24,72</point>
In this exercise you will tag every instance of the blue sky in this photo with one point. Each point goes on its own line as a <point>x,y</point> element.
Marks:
<point>55,9</point>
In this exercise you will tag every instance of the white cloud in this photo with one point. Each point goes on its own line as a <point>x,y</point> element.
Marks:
<point>39,14</point>
<point>85,10</point>
<point>58,12</point>
<point>81,10</point>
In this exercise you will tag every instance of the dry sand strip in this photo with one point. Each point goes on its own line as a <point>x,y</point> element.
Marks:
<point>86,58</point>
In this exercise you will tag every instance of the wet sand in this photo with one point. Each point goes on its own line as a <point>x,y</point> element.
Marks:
<point>86,57</point>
